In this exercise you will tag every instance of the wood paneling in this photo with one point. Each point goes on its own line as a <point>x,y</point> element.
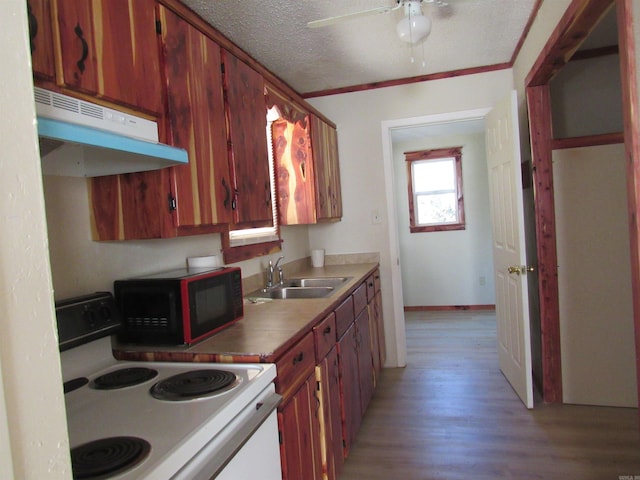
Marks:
<point>108,48</point>
<point>538,100</point>
<point>628,34</point>
<point>324,144</point>
<point>294,172</point>
<point>578,21</point>
<point>196,120</point>
<point>41,39</point>
<point>247,142</point>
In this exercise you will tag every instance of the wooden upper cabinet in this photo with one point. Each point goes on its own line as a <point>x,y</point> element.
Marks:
<point>196,122</point>
<point>247,143</point>
<point>306,160</point>
<point>294,172</point>
<point>41,39</point>
<point>324,142</point>
<point>108,48</point>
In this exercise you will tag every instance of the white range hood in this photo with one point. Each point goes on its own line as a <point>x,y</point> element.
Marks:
<point>82,139</point>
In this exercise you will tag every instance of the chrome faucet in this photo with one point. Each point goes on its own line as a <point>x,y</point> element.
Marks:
<point>280,272</point>
<point>271,268</point>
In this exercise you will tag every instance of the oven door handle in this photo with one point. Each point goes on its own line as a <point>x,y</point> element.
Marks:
<point>225,454</point>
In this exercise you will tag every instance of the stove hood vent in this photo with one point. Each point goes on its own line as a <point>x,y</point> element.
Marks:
<point>82,139</point>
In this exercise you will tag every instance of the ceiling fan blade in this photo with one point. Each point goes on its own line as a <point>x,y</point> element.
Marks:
<point>363,13</point>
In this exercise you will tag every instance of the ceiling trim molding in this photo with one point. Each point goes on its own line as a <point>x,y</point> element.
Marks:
<point>406,81</point>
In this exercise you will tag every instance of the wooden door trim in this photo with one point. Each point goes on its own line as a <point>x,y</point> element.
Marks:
<point>628,69</point>
<point>578,21</point>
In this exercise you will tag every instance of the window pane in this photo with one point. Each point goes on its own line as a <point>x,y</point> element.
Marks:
<point>439,208</point>
<point>429,176</point>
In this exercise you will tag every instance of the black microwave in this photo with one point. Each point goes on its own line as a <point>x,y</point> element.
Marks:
<point>179,306</point>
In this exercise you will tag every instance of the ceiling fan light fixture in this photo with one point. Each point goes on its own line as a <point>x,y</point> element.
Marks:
<point>414,27</point>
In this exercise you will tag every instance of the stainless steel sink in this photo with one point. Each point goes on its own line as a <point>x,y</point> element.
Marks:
<point>313,287</point>
<point>316,282</point>
<point>299,292</point>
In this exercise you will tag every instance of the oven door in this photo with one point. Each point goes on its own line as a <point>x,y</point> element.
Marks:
<point>247,448</point>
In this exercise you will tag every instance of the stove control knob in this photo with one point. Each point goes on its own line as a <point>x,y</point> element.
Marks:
<point>89,317</point>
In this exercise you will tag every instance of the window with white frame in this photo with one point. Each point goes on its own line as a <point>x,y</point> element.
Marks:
<point>435,190</point>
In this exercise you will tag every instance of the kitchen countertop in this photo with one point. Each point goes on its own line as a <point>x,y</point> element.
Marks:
<point>266,330</point>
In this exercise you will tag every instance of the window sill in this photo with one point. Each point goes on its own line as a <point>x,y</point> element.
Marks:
<point>246,252</point>
<point>437,228</point>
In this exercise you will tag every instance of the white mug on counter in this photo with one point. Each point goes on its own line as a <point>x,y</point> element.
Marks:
<point>317,257</point>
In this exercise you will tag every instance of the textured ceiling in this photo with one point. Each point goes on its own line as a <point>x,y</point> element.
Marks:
<point>465,34</point>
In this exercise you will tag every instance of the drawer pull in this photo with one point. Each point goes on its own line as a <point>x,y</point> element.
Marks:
<point>298,358</point>
<point>326,331</point>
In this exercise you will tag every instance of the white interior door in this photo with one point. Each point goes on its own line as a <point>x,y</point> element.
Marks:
<point>507,214</point>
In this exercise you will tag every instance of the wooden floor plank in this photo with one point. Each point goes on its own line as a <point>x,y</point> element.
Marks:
<point>450,414</point>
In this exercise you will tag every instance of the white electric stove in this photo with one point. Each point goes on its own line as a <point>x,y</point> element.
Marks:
<point>161,420</point>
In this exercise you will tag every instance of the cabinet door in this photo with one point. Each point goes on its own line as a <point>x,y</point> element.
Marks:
<point>246,112</point>
<point>374,319</point>
<point>324,142</point>
<point>379,325</point>
<point>196,123</point>
<point>108,48</point>
<point>328,376</point>
<point>41,39</point>
<point>300,434</point>
<point>131,206</point>
<point>294,172</point>
<point>349,387</point>
<point>365,363</point>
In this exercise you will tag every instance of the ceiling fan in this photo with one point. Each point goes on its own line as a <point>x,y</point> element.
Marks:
<point>413,28</point>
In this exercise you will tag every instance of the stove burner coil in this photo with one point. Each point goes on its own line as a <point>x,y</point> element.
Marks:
<point>124,377</point>
<point>107,457</point>
<point>194,384</point>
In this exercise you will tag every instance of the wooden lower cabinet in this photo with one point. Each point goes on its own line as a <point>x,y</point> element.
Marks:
<point>365,359</point>
<point>322,411</point>
<point>349,387</point>
<point>328,378</point>
<point>378,350</point>
<point>299,420</point>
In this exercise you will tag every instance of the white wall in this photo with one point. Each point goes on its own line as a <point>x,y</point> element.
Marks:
<point>587,99</point>
<point>33,435</point>
<point>594,277</point>
<point>359,117</point>
<point>448,268</point>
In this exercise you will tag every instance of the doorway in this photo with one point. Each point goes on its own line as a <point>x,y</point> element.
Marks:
<point>578,22</point>
<point>446,269</point>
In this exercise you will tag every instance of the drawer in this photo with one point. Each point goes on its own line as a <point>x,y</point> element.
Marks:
<point>376,280</point>
<point>371,287</point>
<point>324,334</point>
<point>295,366</point>
<point>360,299</point>
<point>344,316</point>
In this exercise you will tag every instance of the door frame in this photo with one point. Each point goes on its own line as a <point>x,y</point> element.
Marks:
<point>394,245</point>
<point>579,20</point>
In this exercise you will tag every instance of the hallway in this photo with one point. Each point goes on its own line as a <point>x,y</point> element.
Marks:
<point>450,414</point>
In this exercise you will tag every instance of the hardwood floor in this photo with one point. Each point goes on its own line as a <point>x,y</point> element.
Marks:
<point>450,414</point>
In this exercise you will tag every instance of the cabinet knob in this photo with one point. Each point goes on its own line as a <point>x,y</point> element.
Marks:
<point>298,358</point>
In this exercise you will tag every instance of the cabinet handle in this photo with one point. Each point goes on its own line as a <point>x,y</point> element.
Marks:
<point>298,358</point>
<point>267,188</point>
<point>326,331</point>
<point>33,27</point>
<point>85,48</point>
<point>227,196</point>
<point>234,202</point>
